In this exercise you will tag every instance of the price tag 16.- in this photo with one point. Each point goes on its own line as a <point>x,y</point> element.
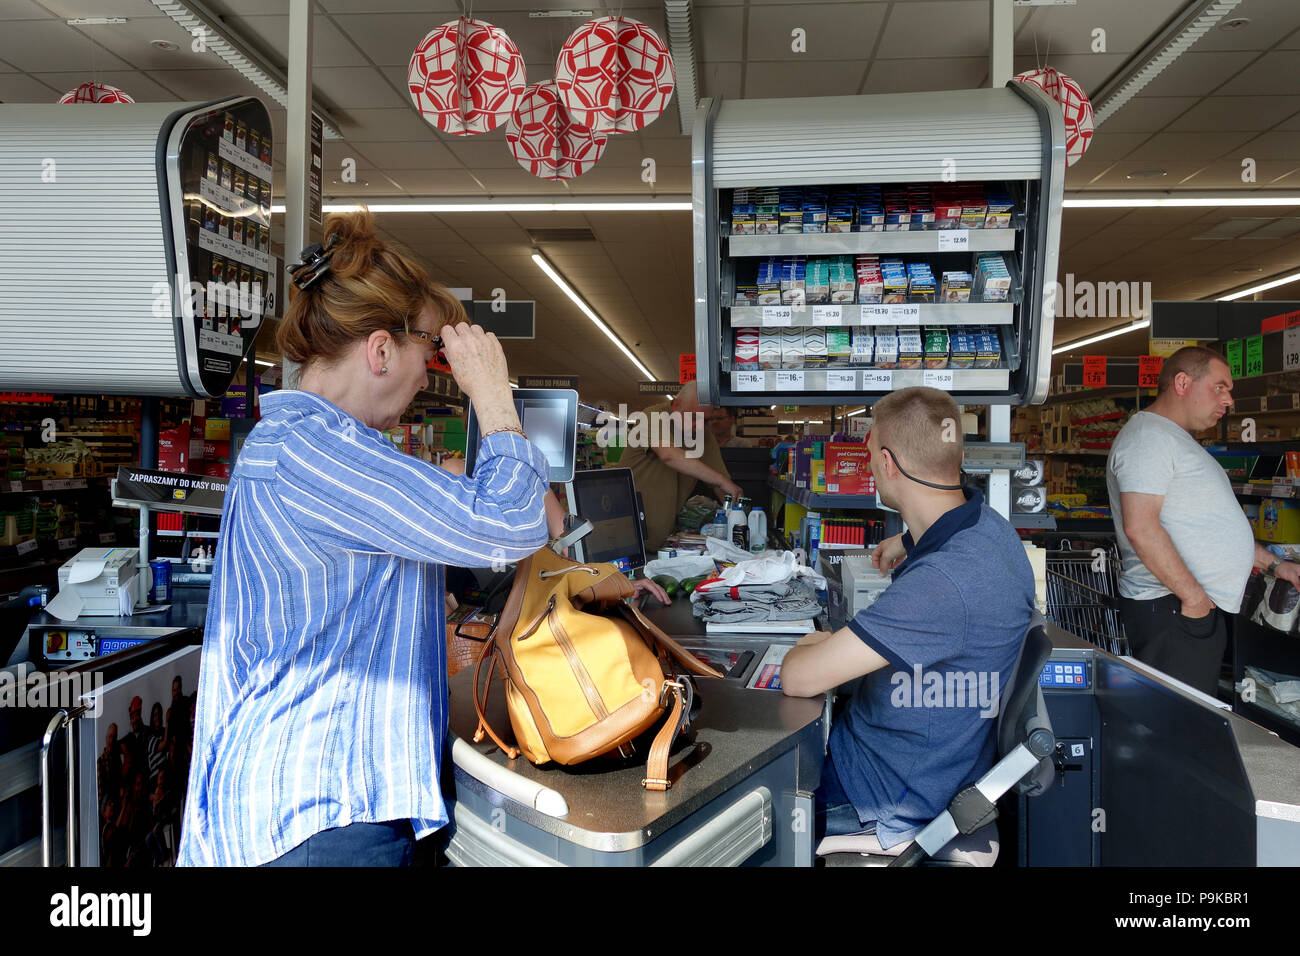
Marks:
<point>789,380</point>
<point>1094,371</point>
<point>877,380</point>
<point>841,380</point>
<point>1291,349</point>
<point>938,378</point>
<point>777,315</point>
<point>954,240</point>
<point>828,314</point>
<point>750,381</point>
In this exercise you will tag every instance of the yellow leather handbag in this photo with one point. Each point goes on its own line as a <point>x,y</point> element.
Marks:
<point>585,672</point>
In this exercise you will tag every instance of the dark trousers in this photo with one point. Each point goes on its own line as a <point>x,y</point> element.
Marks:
<point>359,844</point>
<point>1189,649</point>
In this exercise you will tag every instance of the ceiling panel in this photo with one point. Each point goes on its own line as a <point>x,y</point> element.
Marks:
<point>51,46</point>
<point>1232,113</point>
<point>199,85</point>
<point>21,88</point>
<point>424,154</point>
<point>832,31</point>
<point>720,34</point>
<point>1069,29</point>
<point>1275,145</point>
<point>936,28</point>
<point>906,76</point>
<point>22,10</point>
<point>1276,73</point>
<point>1270,20</point>
<point>1146,114</point>
<point>448,8</point>
<point>72,9</point>
<point>1197,74</point>
<point>330,47</point>
<point>1191,147</point>
<point>803,78</point>
<point>132,41</point>
<point>352,87</point>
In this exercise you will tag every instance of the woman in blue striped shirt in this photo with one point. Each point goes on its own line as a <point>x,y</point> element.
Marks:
<point>322,701</point>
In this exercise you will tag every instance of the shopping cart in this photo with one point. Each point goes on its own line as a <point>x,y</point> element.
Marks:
<point>1082,594</point>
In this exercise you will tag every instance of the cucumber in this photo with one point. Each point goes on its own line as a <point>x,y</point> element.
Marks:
<point>669,584</point>
<point>690,584</point>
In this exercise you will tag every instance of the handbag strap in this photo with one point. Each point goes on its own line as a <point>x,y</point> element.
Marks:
<point>481,708</point>
<point>656,769</point>
<point>656,634</point>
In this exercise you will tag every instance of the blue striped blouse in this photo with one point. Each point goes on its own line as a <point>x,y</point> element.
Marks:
<point>322,696</point>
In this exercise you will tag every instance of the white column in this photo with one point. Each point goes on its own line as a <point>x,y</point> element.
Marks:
<point>297,148</point>
<point>1000,480</point>
<point>1001,40</point>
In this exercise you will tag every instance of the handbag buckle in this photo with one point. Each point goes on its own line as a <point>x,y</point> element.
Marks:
<point>663,691</point>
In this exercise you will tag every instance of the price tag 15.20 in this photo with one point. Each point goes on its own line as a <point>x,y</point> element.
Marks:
<point>877,380</point>
<point>938,378</point>
<point>777,315</point>
<point>789,381</point>
<point>828,314</point>
<point>750,381</point>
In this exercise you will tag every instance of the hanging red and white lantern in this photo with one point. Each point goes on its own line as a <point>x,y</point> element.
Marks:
<point>546,141</point>
<point>466,76</point>
<point>96,93</point>
<point>1075,106</point>
<point>615,75</point>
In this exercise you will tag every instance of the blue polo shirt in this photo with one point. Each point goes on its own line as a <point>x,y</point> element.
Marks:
<point>950,625</point>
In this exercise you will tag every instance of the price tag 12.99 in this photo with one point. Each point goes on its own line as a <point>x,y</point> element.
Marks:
<point>954,240</point>
<point>789,381</point>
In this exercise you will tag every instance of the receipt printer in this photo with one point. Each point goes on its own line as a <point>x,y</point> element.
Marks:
<point>98,582</point>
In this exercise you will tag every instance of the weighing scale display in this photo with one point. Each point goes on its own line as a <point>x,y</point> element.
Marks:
<point>111,645</point>
<point>1064,674</point>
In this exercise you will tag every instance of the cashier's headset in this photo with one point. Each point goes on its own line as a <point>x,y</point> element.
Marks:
<point>919,481</point>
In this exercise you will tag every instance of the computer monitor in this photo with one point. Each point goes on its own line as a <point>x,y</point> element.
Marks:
<point>607,498</point>
<point>550,419</point>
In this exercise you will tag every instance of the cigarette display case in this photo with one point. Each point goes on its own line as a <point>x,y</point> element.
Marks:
<point>136,254</point>
<point>848,246</point>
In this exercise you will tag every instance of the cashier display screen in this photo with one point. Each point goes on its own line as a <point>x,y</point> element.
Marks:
<point>607,498</point>
<point>549,417</point>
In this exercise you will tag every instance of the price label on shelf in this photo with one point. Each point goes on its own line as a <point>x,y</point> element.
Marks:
<point>777,315</point>
<point>1282,487</point>
<point>1232,352</point>
<point>840,380</point>
<point>750,381</point>
<point>828,314</point>
<point>954,240</point>
<point>67,544</point>
<point>107,537</point>
<point>876,315</point>
<point>1149,370</point>
<point>1291,349</point>
<point>62,484</point>
<point>877,380</point>
<point>27,547</point>
<point>1255,355</point>
<point>938,378</point>
<point>904,313</point>
<point>1094,371</point>
<point>789,380</point>
<point>15,486</point>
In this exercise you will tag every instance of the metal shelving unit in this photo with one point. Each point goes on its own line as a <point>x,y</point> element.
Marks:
<point>884,243</point>
<point>836,316</point>
<point>801,496</point>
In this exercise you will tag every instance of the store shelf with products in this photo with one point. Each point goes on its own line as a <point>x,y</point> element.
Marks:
<point>862,265</point>
<point>808,499</point>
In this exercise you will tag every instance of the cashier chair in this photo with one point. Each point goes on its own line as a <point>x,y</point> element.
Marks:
<point>966,834</point>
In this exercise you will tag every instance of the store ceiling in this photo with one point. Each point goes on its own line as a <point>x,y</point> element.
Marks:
<point>1235,94</point>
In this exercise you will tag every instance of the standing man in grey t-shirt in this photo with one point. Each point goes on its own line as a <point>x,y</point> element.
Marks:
<point>1186,545</point>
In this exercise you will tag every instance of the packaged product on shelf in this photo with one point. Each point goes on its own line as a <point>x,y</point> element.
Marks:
<point>871,209</point>
<point>746,294</point>
<point>841,280</point>
<point>769,281</point>
<point>264,197</point>
<point>898,212</point>
<point>237,230</point>
<point>839,348</point>
<point>791,209</point>
<point>817,282</point>
<point>239,182</point>
<point>894,279</point>
<point>794,280</point>
<point>814,348</point>
<point>999,208</point>
<point>955,287</point>
<point>228,129</point>
<point>936,346</point>
<point>911,347</point>
<point>742,213</point>
<point>241,136</point>
<point>792,349</point>
<point>992,279</point>
<point>223,226</point>
<point>747,349</point>
<point>254,143</point>
<point>886,354</point>
<point>963,348</point>
<point>227,174</point>
<point>921,206</point>
<point>767,211</point>
<point>988,348</point>
<point>214,167</point>
<point>217,277</point>
<point>265,155</point>
<point>263,239</point>
<point>870,282</point>
<point>253,189</point>
<point>210,219</point>
<point>769,349</point>
<point>840,210</point>
<point>862,346</point>
<point>973,210</point>
<point>814,210</point>
<point>947,210</point>
<point>920,282</point>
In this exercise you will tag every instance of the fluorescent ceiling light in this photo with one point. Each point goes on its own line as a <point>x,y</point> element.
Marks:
<point>1148,201</point>
<point>1263,287</point>
<point>196,20</point>
<point>507,207</point>
<point>857,411</point>
<point>802,421</point>
<point>1124,330</point>
<point>267,364</point>
<point>587,311</point>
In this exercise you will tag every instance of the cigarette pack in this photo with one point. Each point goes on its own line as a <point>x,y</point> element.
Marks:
<point>871,210</point>
<point>947,211</point>
<point>746,294</point>
<point>839,347</point>
<point>841,279</point>
<point>817,282</point>
<point>936,346</point>
<point>814,210</point>
<point>792,348</point>
<point>742,213</point>
<point>955,287</point>
<point>769,281</point>
<point>794,280</point>
<point>840,211</point>
<point>767,211</point>
<point>862,347</point>
<point>963,348</point>
<point>747,349</point>
<point>999,208</point>
<point>791,204</point>
<point>988,348</point>
<point>887,347</point>
<point>911,347</point>
<point>973,212</point>
<point>920,282</point>
<point>814,348</point>
<point>769,349</point>
<point>228,129</point>
<point>992,279</point>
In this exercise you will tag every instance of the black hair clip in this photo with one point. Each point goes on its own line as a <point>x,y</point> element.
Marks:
<point>315,263</point>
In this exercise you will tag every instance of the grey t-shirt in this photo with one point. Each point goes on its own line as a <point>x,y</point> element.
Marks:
<point>1154,456</point>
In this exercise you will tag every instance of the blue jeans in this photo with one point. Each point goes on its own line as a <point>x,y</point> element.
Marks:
<point>358,844</point>
<point>834,814</point>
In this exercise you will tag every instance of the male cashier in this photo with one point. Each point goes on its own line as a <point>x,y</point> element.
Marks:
<point>953,618</point>
<point>666,473</point>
